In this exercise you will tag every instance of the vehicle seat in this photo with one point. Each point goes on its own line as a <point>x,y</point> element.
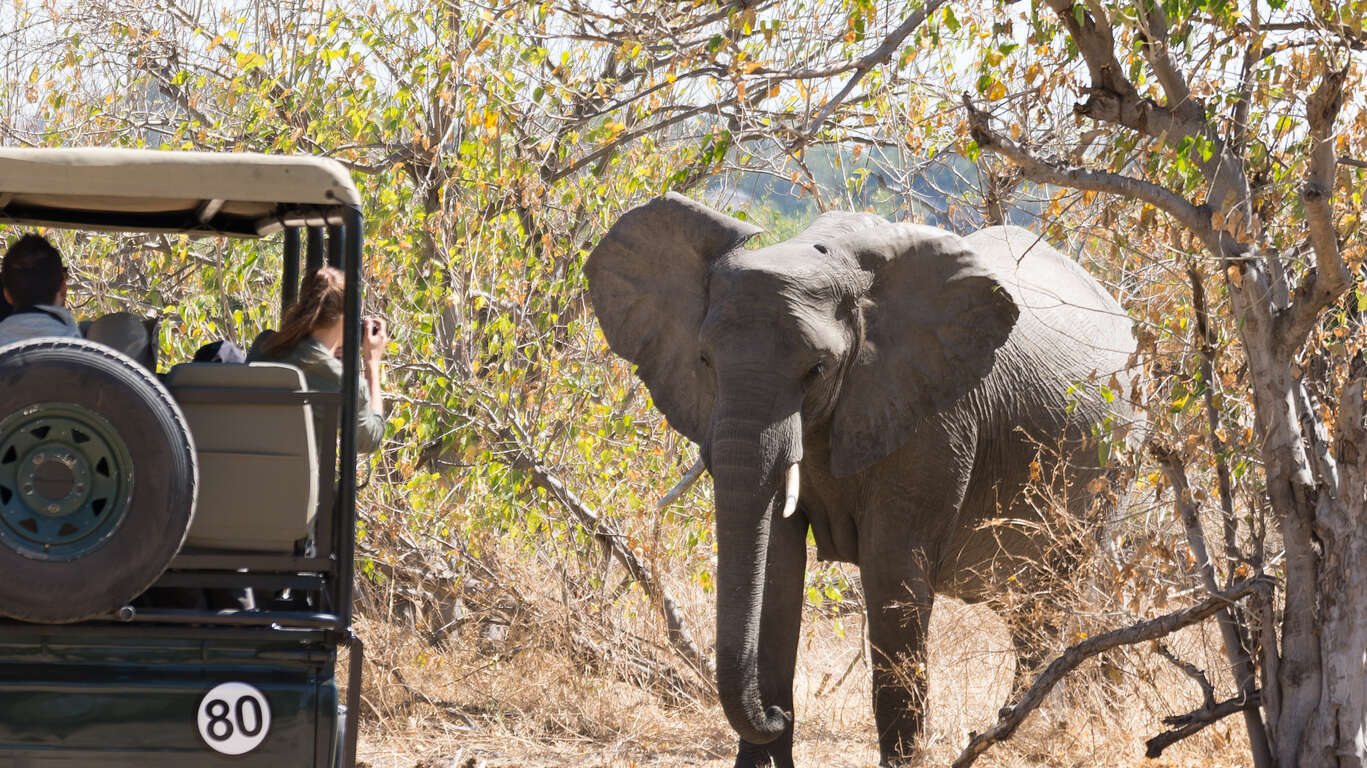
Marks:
<point>258,461</point>
<point>128,333</point>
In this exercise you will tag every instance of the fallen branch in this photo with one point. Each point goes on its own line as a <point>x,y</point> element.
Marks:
<point>676,628</point>
<point>1194,722</point>
<point>1012,716</point>
<point>680,488</point>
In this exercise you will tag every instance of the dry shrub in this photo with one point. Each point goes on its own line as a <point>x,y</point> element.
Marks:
<point>521,654</point>
<point>545,656</point>
<point>1123,562</point>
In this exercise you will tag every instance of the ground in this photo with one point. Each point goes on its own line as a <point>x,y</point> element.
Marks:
<point>528,713</point>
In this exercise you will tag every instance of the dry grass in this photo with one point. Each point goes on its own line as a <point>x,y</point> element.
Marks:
<point>542,654</point>
<point>546,656</point>
<point>457,702</point>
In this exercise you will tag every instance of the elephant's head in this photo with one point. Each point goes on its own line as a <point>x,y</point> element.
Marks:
<point>856,327</point>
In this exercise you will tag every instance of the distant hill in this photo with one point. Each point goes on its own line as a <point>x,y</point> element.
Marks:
<point>944,192</point>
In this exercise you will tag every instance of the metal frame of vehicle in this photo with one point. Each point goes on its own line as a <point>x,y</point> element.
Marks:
<point>332,219</point>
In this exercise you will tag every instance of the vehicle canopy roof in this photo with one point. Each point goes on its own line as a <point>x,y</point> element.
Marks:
<point>240,194</point>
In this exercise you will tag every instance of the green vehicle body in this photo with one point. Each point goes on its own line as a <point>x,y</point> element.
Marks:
<point>82,698</point>
<point>136,687</point>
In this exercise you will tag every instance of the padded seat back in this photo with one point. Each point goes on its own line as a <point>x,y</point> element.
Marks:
<point>258,462</point>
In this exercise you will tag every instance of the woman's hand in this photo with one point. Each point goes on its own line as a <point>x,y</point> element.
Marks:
<point>374,339</point>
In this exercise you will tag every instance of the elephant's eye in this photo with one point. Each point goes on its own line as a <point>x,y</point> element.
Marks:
<point>816,371</point>
<point>705,360</point>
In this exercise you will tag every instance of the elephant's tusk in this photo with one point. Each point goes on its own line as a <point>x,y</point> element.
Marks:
<point>790,492</point>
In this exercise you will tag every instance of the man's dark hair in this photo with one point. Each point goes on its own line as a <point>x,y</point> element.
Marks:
<point>32,271</point>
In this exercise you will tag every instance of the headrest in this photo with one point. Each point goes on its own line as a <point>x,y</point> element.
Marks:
<point>249,376</point>
<point>125,332</point>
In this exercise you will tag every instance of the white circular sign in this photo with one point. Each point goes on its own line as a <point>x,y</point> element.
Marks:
<point>234,718</point>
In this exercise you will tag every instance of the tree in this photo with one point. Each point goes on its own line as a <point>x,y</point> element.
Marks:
<point>1234,121</point>
<point>494,142</point>
<point>497,141</point>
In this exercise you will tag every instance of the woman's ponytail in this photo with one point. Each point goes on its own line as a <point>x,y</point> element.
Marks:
<point>320,304</point>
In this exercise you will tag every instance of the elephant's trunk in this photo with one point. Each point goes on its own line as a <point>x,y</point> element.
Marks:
<point>749,459</point>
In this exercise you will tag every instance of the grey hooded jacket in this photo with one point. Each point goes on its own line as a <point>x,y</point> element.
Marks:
<point>42,320</point>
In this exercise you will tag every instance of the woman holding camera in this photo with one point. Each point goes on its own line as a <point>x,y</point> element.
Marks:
<point>310,339</point>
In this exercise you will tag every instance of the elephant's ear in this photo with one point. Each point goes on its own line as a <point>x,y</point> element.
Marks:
<point>934,317</point>
<point>647,281</point>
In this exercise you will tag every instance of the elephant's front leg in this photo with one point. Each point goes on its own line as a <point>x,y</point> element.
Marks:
<point>899,599</point>
<point>779,631</point>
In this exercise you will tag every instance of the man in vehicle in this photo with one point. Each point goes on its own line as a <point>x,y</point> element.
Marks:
<point>34,280</point>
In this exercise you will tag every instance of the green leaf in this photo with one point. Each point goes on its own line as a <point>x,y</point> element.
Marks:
<point>951,21</point>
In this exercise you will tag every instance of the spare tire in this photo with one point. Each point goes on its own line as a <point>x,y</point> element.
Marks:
<point>97,479</point>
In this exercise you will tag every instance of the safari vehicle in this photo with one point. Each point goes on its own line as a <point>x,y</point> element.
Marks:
<point>129,499</point>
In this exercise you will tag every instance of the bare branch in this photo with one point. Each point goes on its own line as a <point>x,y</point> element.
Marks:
<point>679,636</point>
<point>1239,127</point>
<point>878,56</point>
<point>1232,635</point>
<point>1156,50</point>
<point>522,457</point>
<point>1097,45</point>
<point>1207,340</point>
<point>1112,98</point>
<point>680,488</point>
<point>1192,217</point>
<point>1317,441</point>
<point>1350,437</point>
<point>1194,722</point>
<point>1322,285</point>
<point>1355,39</point>
<point>1190,670</point>
<point>1012,716</point>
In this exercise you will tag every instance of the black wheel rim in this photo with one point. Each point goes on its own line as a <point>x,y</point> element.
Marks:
<point>66,481</point>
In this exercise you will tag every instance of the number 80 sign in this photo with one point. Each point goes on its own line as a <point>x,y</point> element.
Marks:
<point>234,718</point>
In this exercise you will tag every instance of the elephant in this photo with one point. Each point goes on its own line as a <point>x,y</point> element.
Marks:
<point>885,386</point>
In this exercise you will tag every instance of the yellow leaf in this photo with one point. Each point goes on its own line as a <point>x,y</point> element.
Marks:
<point>248,61</point>
<point>997,91</point>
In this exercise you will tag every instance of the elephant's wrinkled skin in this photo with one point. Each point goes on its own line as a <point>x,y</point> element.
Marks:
<point>908,371</point>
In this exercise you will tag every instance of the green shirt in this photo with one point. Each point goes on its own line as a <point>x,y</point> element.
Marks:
<point>323,373</point>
